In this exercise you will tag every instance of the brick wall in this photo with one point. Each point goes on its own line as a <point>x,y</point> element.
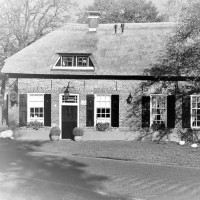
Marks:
<point>81,87</point>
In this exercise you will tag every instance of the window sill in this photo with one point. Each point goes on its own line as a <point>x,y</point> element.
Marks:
<point>73,68</point>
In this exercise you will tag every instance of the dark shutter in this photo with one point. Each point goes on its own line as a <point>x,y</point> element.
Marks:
<point>171,111</point>
<point>115,110</point>
<point>47,110</point>
<point>22,110</point>
<point>90,110</point>
<point>186,111</point>
<point>146,111</point>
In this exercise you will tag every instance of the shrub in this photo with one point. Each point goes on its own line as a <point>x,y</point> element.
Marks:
<point>78,131</point>
<point>13,125</point>
<point>102,126</point>
<point>35,125</point>
<point>156,126</point>
<point>55,131</point>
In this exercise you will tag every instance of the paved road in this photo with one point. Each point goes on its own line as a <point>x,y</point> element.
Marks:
<point>29,175</point>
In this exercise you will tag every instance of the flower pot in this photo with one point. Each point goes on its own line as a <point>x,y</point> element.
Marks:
<point>78,138</point>
<point>54,137</point>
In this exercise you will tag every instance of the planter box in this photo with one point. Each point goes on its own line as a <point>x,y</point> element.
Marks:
<point>31,134</point>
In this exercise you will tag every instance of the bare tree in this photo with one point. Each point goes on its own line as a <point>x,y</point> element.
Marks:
<point>25,21</point>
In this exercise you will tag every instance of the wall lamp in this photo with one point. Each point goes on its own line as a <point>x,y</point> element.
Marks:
<point>129,99</point>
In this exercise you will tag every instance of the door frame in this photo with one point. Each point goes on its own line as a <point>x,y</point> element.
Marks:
<point>67,104</point>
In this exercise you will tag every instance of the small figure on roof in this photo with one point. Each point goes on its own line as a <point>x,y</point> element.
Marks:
<point>115,27</point>
<point>122,27</point>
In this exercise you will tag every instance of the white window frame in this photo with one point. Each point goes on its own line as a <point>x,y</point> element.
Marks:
<point>151,108</point>
<point>29,118</point>
<point>73,67</point>
<point>95,110</point>
<point>191,108</point>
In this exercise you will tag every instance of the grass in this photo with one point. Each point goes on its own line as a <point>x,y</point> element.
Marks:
<point>165,153</point>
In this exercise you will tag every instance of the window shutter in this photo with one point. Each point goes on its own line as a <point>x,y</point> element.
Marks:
<point>47,109</point>
<point>22,110</point>
<point>115,110</point>
<point>90,110</point>
<point>186,112</point>
<point>171,111</point>
<point>145,111</point>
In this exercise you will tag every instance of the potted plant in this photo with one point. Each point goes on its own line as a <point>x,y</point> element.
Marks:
<point>78,134</point>
<point>55,133</point>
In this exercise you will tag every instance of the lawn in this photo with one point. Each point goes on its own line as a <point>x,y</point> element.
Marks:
<point>165,153</point>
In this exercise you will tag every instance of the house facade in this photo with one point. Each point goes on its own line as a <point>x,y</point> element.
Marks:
<point>79,76</point>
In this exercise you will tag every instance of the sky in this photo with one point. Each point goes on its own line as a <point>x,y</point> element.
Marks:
<point>158,3</point>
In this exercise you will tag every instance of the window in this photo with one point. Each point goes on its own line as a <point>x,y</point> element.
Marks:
<point>67,61</point>
<point>70,99</point>
<point>36,107</point>
<point>159,109</point>
<point>195,111</point>
<point>103,109</point>
<point>83,62</point>
<point>36,112</point>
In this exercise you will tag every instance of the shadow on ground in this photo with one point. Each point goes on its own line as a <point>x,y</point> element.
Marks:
<point>27,174</point>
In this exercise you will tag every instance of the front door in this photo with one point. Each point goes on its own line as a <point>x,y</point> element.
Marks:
<point>69,121</point>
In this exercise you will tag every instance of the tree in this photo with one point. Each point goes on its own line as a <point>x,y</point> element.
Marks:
<point>126,11</point>
<point>180,58</point>
<point>25,21</point>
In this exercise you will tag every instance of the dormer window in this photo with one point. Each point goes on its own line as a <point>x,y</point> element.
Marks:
<point>82,61</point>
<point>67,61</point>
<point>74,62</point>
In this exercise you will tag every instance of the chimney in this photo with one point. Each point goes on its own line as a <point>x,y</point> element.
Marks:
<point>93,20</point>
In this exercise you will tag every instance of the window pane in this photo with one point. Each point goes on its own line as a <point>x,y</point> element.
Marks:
<point>107,115</point>
<point>103,110</point>
<point>107,110</point>
<point>32,110</point>
<point>194,105</point>
<point>36,109</point>
<point>98,110</point>
<point>103,115</point>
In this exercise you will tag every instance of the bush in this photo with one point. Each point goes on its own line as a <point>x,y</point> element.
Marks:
<point>78,131</point>
<point>35,125</point>
<point>102,126</point>
<point>13,125</point>
<point>55,131</point>
<point>156,126</point>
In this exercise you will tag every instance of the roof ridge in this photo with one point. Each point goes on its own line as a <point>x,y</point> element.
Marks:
<point>72,26</point>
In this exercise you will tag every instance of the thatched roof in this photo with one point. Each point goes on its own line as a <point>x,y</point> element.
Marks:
<point>115,54</point>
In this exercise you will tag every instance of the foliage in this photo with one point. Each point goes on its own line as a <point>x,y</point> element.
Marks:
<point>181,55</point>
<point>188,135</point>
<point>13,125</point>
<point>35,125</point>
<point>156,126</point>
<point>102,126</point>
<point>25,21</point>
<point>55,131</point>
<point>123,11</point>
<point>78,131</point>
